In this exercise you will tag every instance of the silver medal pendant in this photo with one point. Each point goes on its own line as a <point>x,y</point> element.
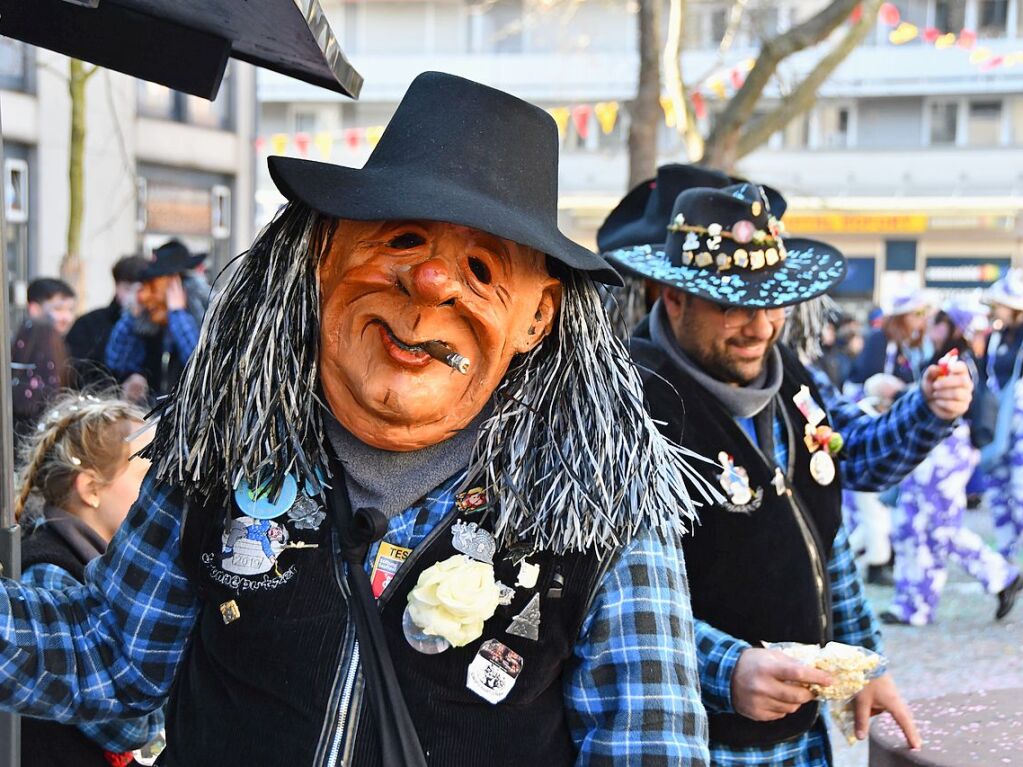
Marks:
<point>822,468</point>
<point>527,623</point>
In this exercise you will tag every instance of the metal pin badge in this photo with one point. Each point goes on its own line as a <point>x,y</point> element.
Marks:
<point>229,611</point>
<point>527,623</point>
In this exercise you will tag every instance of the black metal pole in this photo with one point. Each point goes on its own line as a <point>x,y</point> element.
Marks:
<point>10,534</point>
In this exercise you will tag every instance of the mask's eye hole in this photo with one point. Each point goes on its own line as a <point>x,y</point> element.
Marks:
<point>480,270</point>
<point>406,241</point>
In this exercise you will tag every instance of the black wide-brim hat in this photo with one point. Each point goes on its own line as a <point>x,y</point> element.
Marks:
<point>173,257</point>
<point>459,152</point>
<point>642,216</point>
<point>723,245</point>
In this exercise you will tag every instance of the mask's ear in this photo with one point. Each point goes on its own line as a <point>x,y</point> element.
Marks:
<point>541,322</point>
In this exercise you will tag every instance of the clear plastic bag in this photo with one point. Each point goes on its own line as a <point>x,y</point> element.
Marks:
<point>851,668</point>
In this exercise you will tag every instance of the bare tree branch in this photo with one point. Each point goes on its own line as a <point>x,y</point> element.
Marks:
<point>803,97</point>
<point>685,120</point>
<point>723,141</point>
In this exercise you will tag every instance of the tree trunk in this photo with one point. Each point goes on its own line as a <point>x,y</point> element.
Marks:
<point>71,267</point>
<point>685,119</point>
<point>645,109</point>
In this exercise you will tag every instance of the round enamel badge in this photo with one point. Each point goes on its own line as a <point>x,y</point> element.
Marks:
<point>256,502</point>
<point>822,468</point>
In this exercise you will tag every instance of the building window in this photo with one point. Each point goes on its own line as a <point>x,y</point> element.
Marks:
<point>718,26</point>
<point>161,102</point>
<point>984,127</point>
<point>992,17</point>
<point>833,127</point>
<point>949,15</point>
<point>14,65</point>
<point>797,132</point>
<point>305,122</point>
<point>944,122</point>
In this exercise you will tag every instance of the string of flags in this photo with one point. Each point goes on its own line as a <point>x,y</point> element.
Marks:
<point>903,32</point>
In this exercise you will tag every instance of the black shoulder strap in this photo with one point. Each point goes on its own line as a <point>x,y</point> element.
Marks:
<point>399,743</point>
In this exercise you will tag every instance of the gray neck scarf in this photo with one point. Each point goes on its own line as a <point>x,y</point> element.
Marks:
<point>741,401</point>
<point>390,481</point>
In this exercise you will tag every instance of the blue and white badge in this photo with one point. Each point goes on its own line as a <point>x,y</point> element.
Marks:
<point>258,504</point>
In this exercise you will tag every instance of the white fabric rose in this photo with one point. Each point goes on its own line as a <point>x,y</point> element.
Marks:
<point>454,598</point>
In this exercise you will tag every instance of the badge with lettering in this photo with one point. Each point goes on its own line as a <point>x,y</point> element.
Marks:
<point>494,671</point>
<point>252,546</point>
<point>257,503</point>
<point>472,540</point>
<point>389,558</point>
<point>812,412</point>
<point>735,482</point>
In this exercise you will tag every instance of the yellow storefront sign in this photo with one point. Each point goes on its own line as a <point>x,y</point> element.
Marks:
<point>860,223</point>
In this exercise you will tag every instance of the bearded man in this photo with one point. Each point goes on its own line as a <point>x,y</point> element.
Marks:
<point>406,505</point>
<point>770,562</point>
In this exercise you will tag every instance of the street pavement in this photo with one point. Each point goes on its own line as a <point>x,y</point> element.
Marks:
<point>963,651</point>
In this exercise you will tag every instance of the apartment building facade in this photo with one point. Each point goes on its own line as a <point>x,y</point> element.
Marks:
<point>911,161</point>
<point>158,164</point>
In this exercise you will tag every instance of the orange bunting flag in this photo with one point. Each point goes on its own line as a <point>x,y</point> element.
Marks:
<point>581,119</point>
<point>699,105</point>
<point>279,143</point>
<point>560,115</point>
<point>931,34</point>
<point>967,39</point>
<point>302,141</point>
<point>718,87</point>
<point>669,111</point>
<point>947,40</point>
<point>373,134</point>
<point>903,33</point>
<point>607,115</point>
<point>324,144</point>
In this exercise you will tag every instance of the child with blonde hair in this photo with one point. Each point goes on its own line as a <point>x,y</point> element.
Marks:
<point>81,461</point>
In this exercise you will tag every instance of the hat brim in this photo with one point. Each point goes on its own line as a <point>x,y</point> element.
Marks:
<point>369,194</point>
<point>165,269</point>
<point>1004,299</point>
<point>810,269</point>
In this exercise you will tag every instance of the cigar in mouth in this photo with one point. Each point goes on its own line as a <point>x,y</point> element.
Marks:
<point>441,352</point>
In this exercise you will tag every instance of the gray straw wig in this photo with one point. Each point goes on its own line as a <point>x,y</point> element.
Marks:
<point>569,456</point>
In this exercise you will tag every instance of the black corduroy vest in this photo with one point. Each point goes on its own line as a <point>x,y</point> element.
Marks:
<point>758,572</point>
<point>266,687</point>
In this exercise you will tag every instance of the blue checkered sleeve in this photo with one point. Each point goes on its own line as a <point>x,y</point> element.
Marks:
<point>633,696</point>
<point>717,652</point>
<point>117,735</point>
<point>184,333</point>
<point>125,352</point>
<point>881,451</point>
<point>852,617</point>
<point>108,648</point>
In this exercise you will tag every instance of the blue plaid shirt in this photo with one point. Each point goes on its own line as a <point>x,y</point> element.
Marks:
<point>126,350</point>
<point>118,735</point>
<point>111,647</point>
<point>879,452</point>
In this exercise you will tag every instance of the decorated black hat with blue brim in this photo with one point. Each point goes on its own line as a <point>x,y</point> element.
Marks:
<point>725,245</point>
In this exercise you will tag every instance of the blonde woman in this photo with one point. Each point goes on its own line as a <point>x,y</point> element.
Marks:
<point>80,462</point>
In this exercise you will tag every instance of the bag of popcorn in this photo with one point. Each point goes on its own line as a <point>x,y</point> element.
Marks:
<point>850,667</point>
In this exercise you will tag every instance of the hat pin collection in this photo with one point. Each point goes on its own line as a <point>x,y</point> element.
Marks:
<point>821,440</point>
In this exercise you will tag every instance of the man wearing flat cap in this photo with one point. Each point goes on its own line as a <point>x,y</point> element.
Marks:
<point>406,506</point>
<point>770,562</point>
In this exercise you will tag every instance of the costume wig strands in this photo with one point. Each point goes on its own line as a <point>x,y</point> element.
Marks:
<point>246,405</point>
<point>570,455</point>
<point>804,327</point>
<point>625,305</point>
